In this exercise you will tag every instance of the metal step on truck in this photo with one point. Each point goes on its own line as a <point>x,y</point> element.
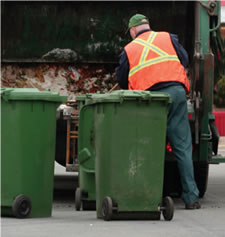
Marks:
<point>94,33</point>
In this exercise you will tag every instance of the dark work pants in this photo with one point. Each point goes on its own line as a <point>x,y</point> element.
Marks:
<point>179,135</point>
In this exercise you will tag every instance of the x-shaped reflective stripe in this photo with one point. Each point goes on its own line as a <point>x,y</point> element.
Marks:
<point>146,45</point>
<point>163,56</point>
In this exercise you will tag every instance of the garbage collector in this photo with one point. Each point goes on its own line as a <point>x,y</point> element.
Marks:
<point>155,61</point>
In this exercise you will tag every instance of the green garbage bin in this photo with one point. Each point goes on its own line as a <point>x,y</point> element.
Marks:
<point>85,195</point>
<point>129,142</point>
<point>28,124</point>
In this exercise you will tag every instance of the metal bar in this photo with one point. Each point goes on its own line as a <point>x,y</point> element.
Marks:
<point>72,168</point>
<point>68,142</point>
<point>113,88</point>
<point>197,55</point>
<point>197,30</point>
<point>73,144</point>
<point>73,137</point>
<point>217,159</point>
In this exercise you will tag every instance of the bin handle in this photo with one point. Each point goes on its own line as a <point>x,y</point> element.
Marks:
<point>5,94</point>
<point>84,155</point>
<point>139,93</point>
<point>87,170</point>
<point>144,96</point>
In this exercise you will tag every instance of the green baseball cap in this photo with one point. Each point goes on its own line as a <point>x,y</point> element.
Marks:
<point>137,20</point>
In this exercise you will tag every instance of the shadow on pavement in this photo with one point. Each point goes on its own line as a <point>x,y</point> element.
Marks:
<point>64,187</point>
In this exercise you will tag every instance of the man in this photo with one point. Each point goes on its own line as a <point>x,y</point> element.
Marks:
<point>155,61</point>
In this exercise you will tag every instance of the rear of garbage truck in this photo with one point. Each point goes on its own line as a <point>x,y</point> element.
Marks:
<point>95,34</point>
<point>200,34</point>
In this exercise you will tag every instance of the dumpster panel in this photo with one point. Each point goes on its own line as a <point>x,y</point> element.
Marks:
<point>94,31</point>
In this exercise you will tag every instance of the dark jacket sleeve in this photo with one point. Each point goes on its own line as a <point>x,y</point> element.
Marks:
<point>122,71</point>
<point>181,52</point>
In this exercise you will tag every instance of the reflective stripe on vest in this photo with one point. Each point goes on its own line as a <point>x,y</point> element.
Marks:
<point>147,47</point>
<point>148,50</point>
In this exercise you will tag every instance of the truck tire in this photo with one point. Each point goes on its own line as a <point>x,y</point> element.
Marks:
<point>215,136</point>
<point>172,184</point>
<point>201,171</point>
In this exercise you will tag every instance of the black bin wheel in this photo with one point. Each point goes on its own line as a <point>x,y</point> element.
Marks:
<point>107,208</point>
<point>78,199</point>
<point>168,208</point>
<point>21,207</point>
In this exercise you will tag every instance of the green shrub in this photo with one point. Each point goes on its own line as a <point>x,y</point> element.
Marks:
<point>219,97</point>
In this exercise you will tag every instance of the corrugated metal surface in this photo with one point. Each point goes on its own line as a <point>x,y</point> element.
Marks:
<point>95,31</point>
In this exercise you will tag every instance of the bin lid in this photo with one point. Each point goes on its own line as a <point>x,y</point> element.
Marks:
<point>121,95</point>
<point>82,97</point>
<point>30,94</point>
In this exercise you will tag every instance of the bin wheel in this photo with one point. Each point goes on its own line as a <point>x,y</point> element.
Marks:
<point>168,208</point>
<point>107,208</point>
<point>78,199</point>
<point>21,207</point>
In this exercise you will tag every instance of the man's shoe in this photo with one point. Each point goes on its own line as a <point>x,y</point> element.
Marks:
<point>192,206</point>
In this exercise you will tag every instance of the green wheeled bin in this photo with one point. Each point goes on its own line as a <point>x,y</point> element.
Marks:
<point>28,124</point>
<point>129,141</point>
<point>85,195</point>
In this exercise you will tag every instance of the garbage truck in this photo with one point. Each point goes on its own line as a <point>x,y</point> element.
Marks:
<point>91,35</point>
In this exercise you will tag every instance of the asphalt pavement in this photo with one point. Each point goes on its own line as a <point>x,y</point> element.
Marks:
<point>66,221</point>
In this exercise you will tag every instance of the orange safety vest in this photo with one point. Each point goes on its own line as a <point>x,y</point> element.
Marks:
<point>153,59</point>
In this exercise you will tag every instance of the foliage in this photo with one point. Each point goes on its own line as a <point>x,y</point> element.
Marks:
<point>219,98</point>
